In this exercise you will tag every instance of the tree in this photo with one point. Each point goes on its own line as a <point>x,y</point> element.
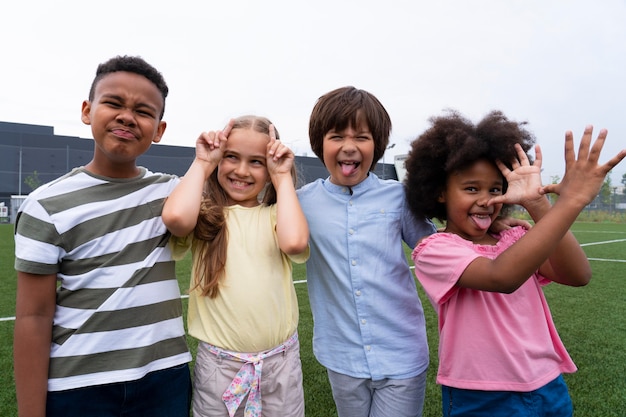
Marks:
<point>33,181</point>
<point>554,179</point>
<point>624,183</point>
<point>606,190</point>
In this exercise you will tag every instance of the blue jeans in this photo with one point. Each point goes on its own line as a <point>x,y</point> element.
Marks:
<point>165,393</point>
<point>551,400</point>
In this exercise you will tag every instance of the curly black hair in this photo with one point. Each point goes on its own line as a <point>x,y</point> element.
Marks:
<point>136,65</point>
<point>453,143</point>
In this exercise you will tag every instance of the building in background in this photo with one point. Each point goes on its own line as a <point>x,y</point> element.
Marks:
<point>32,155</point>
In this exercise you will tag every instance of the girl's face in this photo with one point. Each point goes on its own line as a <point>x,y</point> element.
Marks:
<point>348,154</point>
<point>466,195</point>
<point>242,172</point>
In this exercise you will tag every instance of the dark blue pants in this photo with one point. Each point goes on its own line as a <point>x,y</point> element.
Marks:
<point>165,393</point>
<point>551,400</point>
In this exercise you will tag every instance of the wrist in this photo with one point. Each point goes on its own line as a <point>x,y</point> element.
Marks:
<point>206,166</point>
<point>537,207</point>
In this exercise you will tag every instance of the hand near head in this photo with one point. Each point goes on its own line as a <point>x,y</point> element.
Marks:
<point>583,175</point>
<point>210,145</point>
<point>279,157</point>
<point>524,179</point>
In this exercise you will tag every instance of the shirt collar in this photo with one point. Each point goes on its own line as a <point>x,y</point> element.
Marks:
<point>370,180</point>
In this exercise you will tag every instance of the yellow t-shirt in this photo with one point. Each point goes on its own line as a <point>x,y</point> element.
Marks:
<point>256,308</point>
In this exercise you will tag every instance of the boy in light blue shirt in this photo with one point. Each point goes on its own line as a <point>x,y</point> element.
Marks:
<point>369,329</point>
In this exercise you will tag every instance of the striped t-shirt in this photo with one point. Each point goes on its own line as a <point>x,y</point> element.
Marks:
<point>118,311</point>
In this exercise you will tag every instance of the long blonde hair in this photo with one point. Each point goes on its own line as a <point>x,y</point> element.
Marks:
<point>211,233</point>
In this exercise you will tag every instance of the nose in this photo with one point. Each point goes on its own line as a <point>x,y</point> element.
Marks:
<point>241,170</point>
<point>483,199</point>
<point>349,145</point>
<point>126,117</point>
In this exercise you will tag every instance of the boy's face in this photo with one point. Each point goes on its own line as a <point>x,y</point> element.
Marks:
<point>348,154</point>
<point>124,119</point>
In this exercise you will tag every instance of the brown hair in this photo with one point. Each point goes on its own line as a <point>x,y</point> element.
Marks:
<point>345,107</point>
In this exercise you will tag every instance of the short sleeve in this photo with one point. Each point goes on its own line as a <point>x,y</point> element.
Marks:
<point>180,246</point>
<point>299,258</point>
<point>439,261</point>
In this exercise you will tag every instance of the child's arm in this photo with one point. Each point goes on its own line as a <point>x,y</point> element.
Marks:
<point>581,183</point>
<point>291,225</point>
<point>34,311</point>
<point>568,263</point>
<point>181,209</point>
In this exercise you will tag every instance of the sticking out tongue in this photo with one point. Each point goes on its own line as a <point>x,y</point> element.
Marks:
<point>348,169</point>
<point>483,222</point>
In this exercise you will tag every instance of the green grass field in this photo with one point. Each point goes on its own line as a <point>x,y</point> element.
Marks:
<point>591,322</point>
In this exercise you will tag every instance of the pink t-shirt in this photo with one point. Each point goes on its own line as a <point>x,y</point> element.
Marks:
<point>488,341</point>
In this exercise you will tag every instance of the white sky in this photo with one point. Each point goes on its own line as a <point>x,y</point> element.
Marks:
<point>558,64</point>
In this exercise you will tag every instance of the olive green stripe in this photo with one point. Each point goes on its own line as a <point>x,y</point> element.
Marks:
<point>161,271</point>
<point>36,229</point>
<point>135,252</point>
<point>93,298</point>
<point>128,318</point>
<point>35,267</point>
<point>118,220</point>
<point>97,193</point>
<point>116,360</point>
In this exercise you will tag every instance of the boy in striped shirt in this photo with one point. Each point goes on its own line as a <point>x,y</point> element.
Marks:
<point>99,327</point>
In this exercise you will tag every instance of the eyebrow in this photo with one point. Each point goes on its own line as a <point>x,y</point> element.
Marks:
<point>236,153</point>
<point>121,99</point>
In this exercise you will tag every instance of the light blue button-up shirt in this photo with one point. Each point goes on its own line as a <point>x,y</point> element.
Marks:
<point>368,319</point>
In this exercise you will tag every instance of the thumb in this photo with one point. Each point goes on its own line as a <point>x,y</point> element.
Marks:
<point>550,188</point>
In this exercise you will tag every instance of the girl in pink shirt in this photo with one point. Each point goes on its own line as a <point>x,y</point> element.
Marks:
<point>499,351</point>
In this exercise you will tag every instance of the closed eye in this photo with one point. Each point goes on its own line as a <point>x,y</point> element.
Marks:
<point>147,113</point>
<point>112,103</point>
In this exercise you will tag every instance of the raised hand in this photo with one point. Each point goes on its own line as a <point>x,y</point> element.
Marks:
<point>210,145</point>
<point>583,175</point>
<point>279,158</point>
<point>524,179</point>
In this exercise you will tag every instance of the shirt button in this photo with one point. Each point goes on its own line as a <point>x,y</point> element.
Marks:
<point>368,347</point>
<point>382,211</point>
<point>351,231</point>
<point>363,321</point>
<point>353,262</point>
<point>358,293</point>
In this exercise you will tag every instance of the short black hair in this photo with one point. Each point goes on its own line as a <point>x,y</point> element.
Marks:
<point>136,65</point>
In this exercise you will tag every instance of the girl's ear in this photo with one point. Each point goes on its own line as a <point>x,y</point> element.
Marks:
<point>442,197</point>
